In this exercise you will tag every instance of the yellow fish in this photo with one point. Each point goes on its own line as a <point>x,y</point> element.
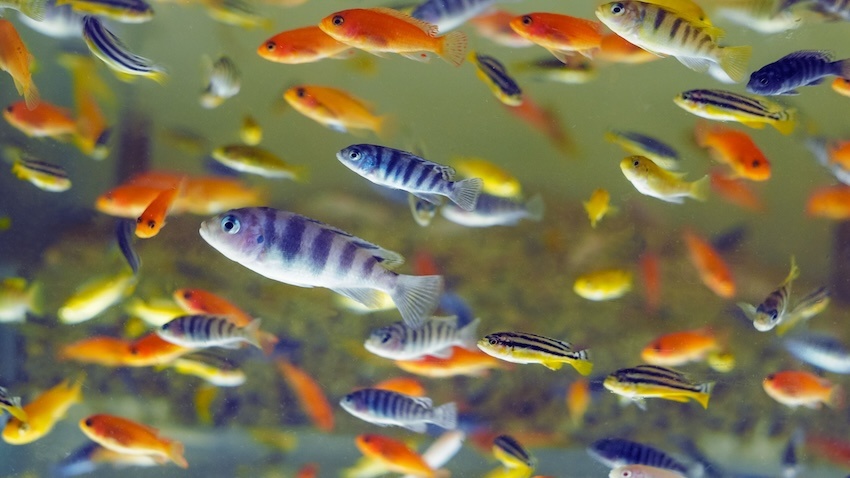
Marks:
<point>654,381</point>
<point>93,298</point>
<point>251,132</point>
<point>156,312</point>
<point>497,181</point>
<point>43,412</point>
<point>598,206</point>
<point>651,180</point>
<point>17,298</point>
<point>604,284</point>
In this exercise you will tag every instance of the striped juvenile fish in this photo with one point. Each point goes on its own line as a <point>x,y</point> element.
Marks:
<point>801,68</point>
<point>125,11</point>
<point>195,331</point>
<point>225,80</point>
<point>654,381</point>
<point>495,211</point>
<point>683,32</point>
<point>773,309</point>
<point>615,452</point>
<point>494,74</point>
<point>808,307</point>
<point>450,14</point>
<point>297,250</point>
<point>124,232</point>
<point>719,105</point>
<point>45,176</point>
<point>575,70</point>
<point>521,347</point>
<point>819,350</point>
<point>12,405</point>
<point>436,338</point>
<point>112,51</point>
<point>398,169</point>
<point>640,144</point>
<point>383,407</point>
<point>512,455</point>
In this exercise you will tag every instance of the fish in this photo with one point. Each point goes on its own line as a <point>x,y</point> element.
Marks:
<point>421,210</point>
<point>100,350</point>
<point>213,195</point>
<point>809,306</point>
<point>616,452</point>
<point>91,456</point>
<point>650,272</point>
<point>237,13</point>
<point>404,385</point>
<point>831,202</point>
<point>643,471</point>
<point>820,350</point>
<point>93,132</point>
<point>736,191</point>
<point>151,350</point>
<point>546,121</point>
<point>522,347</point>
<point>435,337</point>
<point>447,15</point>
<point>222,375</point>
<point>801,68</point>
<point>834,155</point>
<point>124,11</point>
<point>310,470</point>
<point>16,60</point>
<point>604,284</point>
<point>561,35</point>
<point>495,25</point>
<point>719,105</point>
<point>576,70</point>
<point>397,169</point>
<point>256,160</point>
<point>598,206</point>
<point>578,401</point>
<point>679,348</point>
<point>251,133</point>
<point>652,180</point>
<point>616,49</point>
<point>759,15</point>
<point>497,181</point>
<point>652,381</point>
<point>124,237</point>
<point>111,50</point>
<point>772,310</point>
<point>384,30</point>
<point>640,144</point>
<point>310,395</point>
<point>43,412</point>
<point>307,253</point>
<point>795,389</point>
<point>303,45</point>
<point>511,453</point>
<point>735,149</point>
<point>43,120</point>
<point>495,75</point>
<point>495,211</point>
<point>126,436</point>
<point>473,363</point>
<point>152,219</point>
<point>713,271</point>
<point>395,456</point>
<point>384,408</point>
<point>198,331</point>
<point>674,29</point>
<point>337,109</point>
<point>94,297</point>
<point>57,22</point>
<point>225,81</point>
<point>841,86</point>
<point>34,10</point>
<point>12,405</point>
<point>18,298</point>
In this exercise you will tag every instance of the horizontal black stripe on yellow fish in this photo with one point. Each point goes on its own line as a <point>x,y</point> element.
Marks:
<point>719,105</point>
<point>653,381</point>
<point>494,74</point>
<point>125,11</point>
<point>45,176</point>
<point>112,51</point>
<point>772,311</point>
<point>513,455</point>
<point>521,347</point>
<point>572,70</point>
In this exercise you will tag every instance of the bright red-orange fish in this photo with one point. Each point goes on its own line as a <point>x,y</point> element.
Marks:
<point>616,49</point>
<point>578,401</point>
<point>335,109</point>
<point>126,436</point>
<point>126,200</point>
<point>152,219</point>
<point>562,35</point>
<point>713,270</point>
<point>404,385</point>
<point>384,30</point>
<point>841,86</point>
<point>42,121</point>
<point>474,363</point>
<point>310,470</point>
<point>303,45</point>
<point>736,191</point>
<point>100,350</point>
<point>831,202</point>
<point>836,450</point>
<point>496,27</point>
<point>394,455</point>
<point>313,401</point>
<point>679,348</point>
<point>794,389</point>
<point>735,149</point>
<point>650,272</point>
<point>17,61</point>
<point>151,350</point>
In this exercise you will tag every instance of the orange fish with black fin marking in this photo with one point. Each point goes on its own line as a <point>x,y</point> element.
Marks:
<point>17,61</point>
<point>713,270</point>
<point>384,30</point>
<point>126,436</point>
<point>562,35</point>
<point>303,45</point>
<point>313,401</point>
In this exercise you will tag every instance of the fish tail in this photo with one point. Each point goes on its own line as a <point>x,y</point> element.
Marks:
<point>786,126</point>
<point>465,193</point>
<point>468,335</point>
<point>734,59</point>
<point>844,69</point>
<point>453,48</point>
<point>175,453</point>
<point>386,126</point>
<point>35,298</point>
<point>159,76</point>
<point>582,362</point>
<point>446,416</point>
<point>704,394</point>
<point>416,297</point>
<point>34,9</point>
<point>31,95</point>
<point>268,341</point>
<point>793,273</point>
<point>301,174</point>
<point>252,334</point>
<point>701,188</point>
<point>535,208</point>
<point>836,397</point>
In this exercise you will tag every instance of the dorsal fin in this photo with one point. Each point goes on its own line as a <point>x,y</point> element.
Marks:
<point>431,29</point>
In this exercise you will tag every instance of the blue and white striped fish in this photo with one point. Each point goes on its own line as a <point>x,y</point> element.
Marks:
<point>225,80</point>
<point>450,14</point>
<point>197,331</point>
<point>495,211</point>
<point>494,74</point>
<point>124,11</point>
<point>399,169</point>
<point>384,407</point>
<point>436,337</point>
<point>297,250</point>
<point>58,22</point>
<point>112,51</point>
<point>801,68</point>
<point>614,452</point>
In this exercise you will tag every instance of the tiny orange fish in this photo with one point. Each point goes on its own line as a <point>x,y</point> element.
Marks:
<point>841,86</point>
<point>679,348</point>
<point>100,350</point>
<point>303,45</point>
<point>616,49</point>
<point>736,191</point>
<point>42,121</point>
<point>578,401</point>
<point>17,61</point>
<point>831,202</point>
<point>713,270</point>
<point>794,388</point>
<point>310,470</point>
<point>152,219</point>
<point>394,455</point>
<point>335,109</point>
<point>379,30</point>
<point>734,148</point>
<point>404,385</point>
<point>313,401</point>
<point>126,436</point>
<point>562,35</point>
<point>836,450</point>
<point>496,27</point>
<point>151,350</point>
<point>650,272</point>
<point>473,363</point>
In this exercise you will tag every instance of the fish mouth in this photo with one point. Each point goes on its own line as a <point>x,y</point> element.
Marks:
<point>762,326</point>
<point>204,230</point>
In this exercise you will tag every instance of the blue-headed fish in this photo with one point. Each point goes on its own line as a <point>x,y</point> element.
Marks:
<point>801,68</point>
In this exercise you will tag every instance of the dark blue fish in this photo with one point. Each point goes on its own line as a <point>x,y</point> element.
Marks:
<point>614,452</point>
<point>494,74</point>
<point>450,14</point>
<point>79,462</point>
<point>801,68</point>
<point>124,231</point>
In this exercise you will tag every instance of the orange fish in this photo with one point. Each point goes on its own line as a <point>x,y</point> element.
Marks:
<point>394,455</point>
<point>92,129</point>
<point>126,436</point>
<point>379,30</point>
<point>835,450</point>
<point>43,120</point>
<point>303,45</point>
<point>17,60</point>
<point>313,401</point>
<point>473,363</point>
<point>100,350</point>
<point>736,191</point>
<point>152,218</point>
<point>151,350</point>
<point>543,120</point>
<point>650,271</point>
<point>679,348</point>
<point>404,385</point>
<point>794,389</point>
<point>562,35</point>
<point>578,401</point>
<point>841,86</point>
<point>126,200</point>
<point>310,470</point>
<point>335,109</point>
<point>43,413</point>
<point>616,49</point>
<point>839,153</point>
<point>158,179</point>
<point>212,195</point>
<point>496,27</point>
<point>713,271</point>
<point>831,202</point>
<point>734,148</point>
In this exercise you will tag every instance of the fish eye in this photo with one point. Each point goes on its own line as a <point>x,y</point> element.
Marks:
<point>493,341</point>
<point>187,295</point>
<point>774,316</point>
<point>151,224</point>
<point>636,163</point>
<point>626,473</point>
<point>386,337</point>
<point>354,155</point>
<point>763,81</point>
<point>300,92</point>
<point>139,220</point>
<point>25,427</point>
<point>617,8</point>
<point>338,20</point>
<point>10,109</point>
<point>89,422</point>
<point>770,378</point>
<point>134,351</point>
<point>526,20</point>
<point>656,347</point>
<point>756,163</point>
<point>230,224</point>
<point>270,46</point>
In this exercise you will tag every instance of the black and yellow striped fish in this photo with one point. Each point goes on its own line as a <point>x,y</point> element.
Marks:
<point>512,455</point>
<point>653,381</point>
<point>521,347</point>
<point>45,176</point>
<point>719,105</point>
<point>112,51</point>
<point>494,74</point>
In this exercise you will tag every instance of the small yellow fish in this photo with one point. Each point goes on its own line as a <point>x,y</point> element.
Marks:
<point>251,132</point>
<point>651,180</point>
<point>43,412</point>
<point>43,175</point>
<point>653,381</point>
<point>598,206</point>
<point>220,376</point>
<point>497,181</point>
<point>255,160</point>
<point>17,298</point>
<point>522,347</point>
<point>203,402</point>
<point>93,298</point>
<point>156,312</point>
<point>723,362</point>
<point>604,284</point>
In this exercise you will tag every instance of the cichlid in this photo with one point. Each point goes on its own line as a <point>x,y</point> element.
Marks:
<point>495,211</point>
<point>643,471</point>
<point>495,75</point>
<point>58,22</point>
<point>801,68</point>
<point>126,436</point>
<point>819,350</point>
<point>614,452</point>
<point>42,120</point>
<point>303,45</point>
<point>221,375</point>
<point>809,306</point>
<point>43,175</point>
<point>297,250</point>
<point>251,133</point>
<point>256,160</point>
<point>719,105</point>
<point>653,381</point>
<point>224,82</point>
<point>772,311</point>
<point>112,51</point>
<point>598,206</point>
<point>193,331</point>
<point>604,284</point>
<point>17,298</point>
<point>497,180</point>
<point>511,453</point>
<point>336,109</point>
<point>640,144</point>
<point>652,180</point>
<point>575,70</point>
<point>561,35</point>
<point>17,61</point>
<point>43,412</point>
<point>436,338</point>
<point>93,298</point>
<point>383,407</point>
<point>794,389</point>
<point>450,14</point>
<point>522,347</point>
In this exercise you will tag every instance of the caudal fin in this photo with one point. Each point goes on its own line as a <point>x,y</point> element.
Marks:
<point>786,126</point>
<point>252,334</point>
<point>468,335</point>
<point>31,95</point>
<point>34,9</point>
<point>582,363</point>
<point>446,416</point>
<point>416,297</point>
<point>534,207</point>
<point>175,453</point>
<point>701,188</point>
<point>465,193</point>
<point>704,393</point>
<point>734,59</point>
<point>453,48</point>
<point>267,342</point>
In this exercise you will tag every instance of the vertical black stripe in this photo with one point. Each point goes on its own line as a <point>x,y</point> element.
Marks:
<point>660,15</point>
<point>207,329</point>
<point>422,176</point>
<point>269,220</point>
<point>366,267</point>
<point>290,242</point>
<point>435,178</point>
<point>221,328</point>
<point>676,24</point>
<point>321,249</point>
<point>408,172</point>
<point>346,259</point>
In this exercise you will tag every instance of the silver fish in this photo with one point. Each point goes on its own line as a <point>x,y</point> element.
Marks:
<point>495,211</point>
<point>225,81</point>
<point>820,350</point>
<point>209,331</point>
<point>436,337</point>
<point>383,407</point>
